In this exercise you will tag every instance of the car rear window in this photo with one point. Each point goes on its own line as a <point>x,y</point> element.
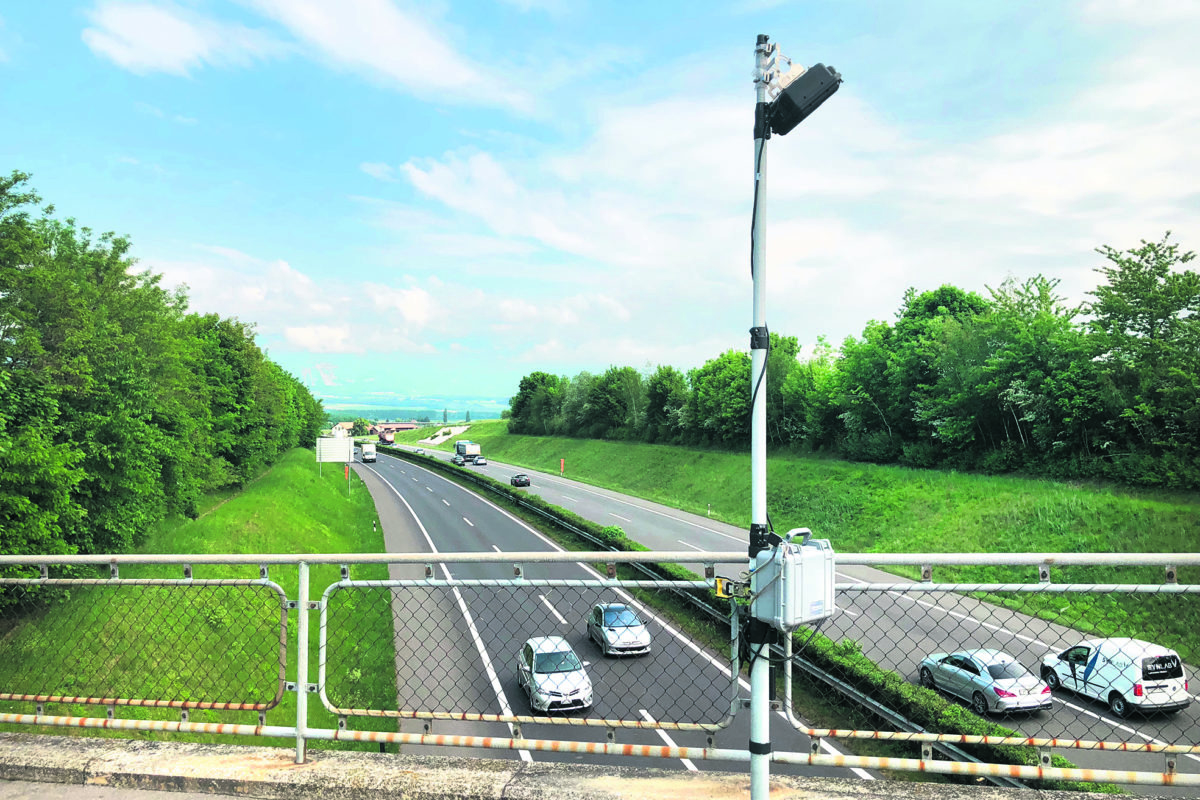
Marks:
<point>1161,668</point>
<point>1011,670</point>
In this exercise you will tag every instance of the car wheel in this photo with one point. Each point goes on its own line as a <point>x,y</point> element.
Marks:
<point>979,704</point>
<point>1051,679</point>
<point>927,679</point>
<point>1118,704</point>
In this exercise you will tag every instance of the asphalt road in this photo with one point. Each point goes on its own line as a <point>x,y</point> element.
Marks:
<point>898,630</point>
<point>459,648</point>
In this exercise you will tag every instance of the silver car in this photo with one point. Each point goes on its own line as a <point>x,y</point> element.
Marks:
<point>990,680</point>
<point>552,675</point>
<point>618,630</point>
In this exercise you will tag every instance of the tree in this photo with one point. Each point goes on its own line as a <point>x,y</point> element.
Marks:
<point>721,392</point>
<point>445,416</point>
<point>666,396</point>
<point>536,404</point>
<point>361,427</point>
<point>1146,320</point>
<point>468,419</point>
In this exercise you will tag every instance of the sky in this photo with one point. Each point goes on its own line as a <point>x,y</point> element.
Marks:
<point>433,199</point>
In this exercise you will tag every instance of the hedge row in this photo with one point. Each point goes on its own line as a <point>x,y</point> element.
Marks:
<point>843,660</point>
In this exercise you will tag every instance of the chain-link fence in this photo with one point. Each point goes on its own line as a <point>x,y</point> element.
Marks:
<point>1101,673</point>
<point>566,652</point>
<point>1063,665</point>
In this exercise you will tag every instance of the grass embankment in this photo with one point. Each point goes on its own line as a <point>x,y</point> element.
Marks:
<point>216,644</point>
<point>866,508</point>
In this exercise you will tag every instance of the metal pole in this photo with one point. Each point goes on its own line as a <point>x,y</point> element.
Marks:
<point>758,633</point>
<point>302,668</point>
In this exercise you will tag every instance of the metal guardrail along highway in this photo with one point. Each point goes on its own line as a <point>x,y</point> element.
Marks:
<point>440,642</point>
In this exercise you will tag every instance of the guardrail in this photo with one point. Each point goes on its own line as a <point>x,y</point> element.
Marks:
<point>435,646</point>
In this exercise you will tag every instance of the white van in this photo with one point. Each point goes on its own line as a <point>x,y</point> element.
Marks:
<point>1128,674</point>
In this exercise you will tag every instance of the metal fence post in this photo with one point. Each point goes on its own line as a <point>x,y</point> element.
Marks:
<point>302,667</point>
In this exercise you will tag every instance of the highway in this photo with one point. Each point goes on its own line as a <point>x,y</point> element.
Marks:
<point>898,630</point>
<point>458,648</point>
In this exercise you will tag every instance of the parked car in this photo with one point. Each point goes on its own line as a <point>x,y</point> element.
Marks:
<point>1128,674</point>
<point>552,675</point>
<point>480,461</point>
<point>519,480</point>
<point>458,460</point>
<point>990,680</point>
<point>618,630</point>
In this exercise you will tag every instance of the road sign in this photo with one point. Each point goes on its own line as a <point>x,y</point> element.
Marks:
<point>330,449</point>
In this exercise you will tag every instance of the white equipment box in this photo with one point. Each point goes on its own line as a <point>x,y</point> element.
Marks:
<point>795,581</point>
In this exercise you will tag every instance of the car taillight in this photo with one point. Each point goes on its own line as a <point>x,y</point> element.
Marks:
<point>1137,690</point>
<point>1185,684</point>
<point>1045,690</point>
<point>1001,692</point>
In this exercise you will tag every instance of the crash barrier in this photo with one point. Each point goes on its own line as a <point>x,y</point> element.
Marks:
<point>439,641</point>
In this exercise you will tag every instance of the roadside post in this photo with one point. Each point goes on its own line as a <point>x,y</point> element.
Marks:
<point>782,101</point>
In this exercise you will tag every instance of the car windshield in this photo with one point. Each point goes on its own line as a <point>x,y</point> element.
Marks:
<point>563,661</point>
<point>1011,670</point>
<point>620,618</point>
<point>1161,668</point>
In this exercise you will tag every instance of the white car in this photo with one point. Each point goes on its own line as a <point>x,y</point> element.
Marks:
<point>552,675</point>
<point>991,680</point>
<point>1128,674</point>
<point>618,630</point>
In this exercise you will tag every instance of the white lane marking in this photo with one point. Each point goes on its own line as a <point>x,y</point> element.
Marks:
<point>618,516</point>
<point>667,740</point>
<point>505,708</point>
<point>472,524</point>
<point>572,499</point>
<point>1080,709</point>
<point>683,640</point>
<point>497,549</point>
<point>414,480</point>
<point>429,488</point>
<point>685,544</point>
<point>445,502</point>
<point>957,614</point>
<point>1119,726</point>
<point>561,619</point>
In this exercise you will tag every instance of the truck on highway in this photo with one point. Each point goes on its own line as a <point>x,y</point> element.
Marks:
<point>387,438</point>
<point>467,449</point>
<point>368,451</point>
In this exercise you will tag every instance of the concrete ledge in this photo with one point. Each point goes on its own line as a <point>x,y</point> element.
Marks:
<point>269,772</point>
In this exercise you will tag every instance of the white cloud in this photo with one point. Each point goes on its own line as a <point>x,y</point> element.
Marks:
<point>378,170</point>
<point>145,38</point>
<point>378,39</point>
<point>154,111</point>
<point>323,339</point>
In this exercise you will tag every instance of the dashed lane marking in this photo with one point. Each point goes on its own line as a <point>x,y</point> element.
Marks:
<point>667,740</point>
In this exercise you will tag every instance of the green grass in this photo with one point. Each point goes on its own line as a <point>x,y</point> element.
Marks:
<point>865,508</point>
<point>172,643</point>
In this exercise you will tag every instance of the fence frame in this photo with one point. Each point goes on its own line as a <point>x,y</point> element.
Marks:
<point>302,733</point>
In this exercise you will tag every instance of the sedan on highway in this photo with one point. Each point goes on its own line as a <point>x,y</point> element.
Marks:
<point>519,480</point>
<point>458,460</point>
<point>552,675</point>
<point>480,461</point>
<point>990,680</point>
<point>618,630</point>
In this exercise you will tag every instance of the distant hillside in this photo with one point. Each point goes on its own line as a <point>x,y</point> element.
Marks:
<point>388,414</point>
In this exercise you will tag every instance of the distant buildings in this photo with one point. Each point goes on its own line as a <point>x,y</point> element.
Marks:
<point>391,427</point>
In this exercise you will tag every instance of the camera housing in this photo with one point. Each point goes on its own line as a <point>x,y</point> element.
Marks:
<point>802,97</point>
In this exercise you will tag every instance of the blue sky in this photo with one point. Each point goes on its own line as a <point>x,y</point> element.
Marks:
<point>432,199</point>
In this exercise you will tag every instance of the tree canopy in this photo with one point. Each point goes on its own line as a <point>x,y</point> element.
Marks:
<point>1016,380</point>
<point>117,405</point>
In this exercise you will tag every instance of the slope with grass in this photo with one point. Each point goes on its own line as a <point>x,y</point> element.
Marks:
<point>293,508</point>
